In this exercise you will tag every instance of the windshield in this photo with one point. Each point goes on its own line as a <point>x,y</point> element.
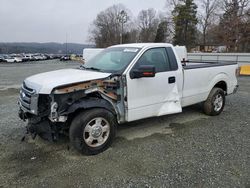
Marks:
<point>112,60</point>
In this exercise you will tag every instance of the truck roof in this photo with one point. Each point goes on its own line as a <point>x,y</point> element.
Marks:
<point>143,45</point>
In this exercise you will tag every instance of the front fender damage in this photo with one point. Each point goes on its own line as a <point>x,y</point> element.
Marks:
<point>90,103</point>
<point>106,93</point>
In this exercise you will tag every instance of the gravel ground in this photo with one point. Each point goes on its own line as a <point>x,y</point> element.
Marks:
<point>182,150</point>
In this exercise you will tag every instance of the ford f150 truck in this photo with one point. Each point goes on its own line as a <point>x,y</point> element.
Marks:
<point>123,83</point>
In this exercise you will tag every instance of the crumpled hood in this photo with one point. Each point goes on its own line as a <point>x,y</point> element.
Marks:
<point>44,83</point>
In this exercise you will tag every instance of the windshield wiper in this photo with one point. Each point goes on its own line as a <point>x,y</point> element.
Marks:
<point>93,68</point>
<point>90,68</point>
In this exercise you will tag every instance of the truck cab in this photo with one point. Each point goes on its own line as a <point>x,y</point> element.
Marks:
<point>122,83</point>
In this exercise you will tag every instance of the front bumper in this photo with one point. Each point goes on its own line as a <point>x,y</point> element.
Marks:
<point>22,115</point>
<point>42,128</point>
<point>38,126</point>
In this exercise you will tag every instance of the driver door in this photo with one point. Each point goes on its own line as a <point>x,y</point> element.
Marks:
<point>155,96</point>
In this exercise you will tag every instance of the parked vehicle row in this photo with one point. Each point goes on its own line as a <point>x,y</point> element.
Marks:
<point>10,59</point>
<point>18,58</point>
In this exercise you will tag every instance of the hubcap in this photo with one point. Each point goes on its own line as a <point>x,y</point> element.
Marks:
<point>96,132</point>
<point>218,102</point>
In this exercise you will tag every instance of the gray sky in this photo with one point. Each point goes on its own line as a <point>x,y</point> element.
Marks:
<point>50,20</point>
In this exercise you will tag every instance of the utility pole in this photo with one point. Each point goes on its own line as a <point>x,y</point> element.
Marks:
<point>121,34</point>
<point>122,18</point>
<point>66,43</point>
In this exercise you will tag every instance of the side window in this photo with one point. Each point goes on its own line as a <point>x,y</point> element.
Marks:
<point>157,57</point>
<point>172,59</point>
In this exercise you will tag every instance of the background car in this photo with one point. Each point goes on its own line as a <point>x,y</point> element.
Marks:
<point>2,59</point>
<point>9,59</point>
<point>17,58</point>
<point>65,58</point>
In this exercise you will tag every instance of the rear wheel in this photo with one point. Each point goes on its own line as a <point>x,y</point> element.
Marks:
<point>215,102</point>
<point>92,131</point>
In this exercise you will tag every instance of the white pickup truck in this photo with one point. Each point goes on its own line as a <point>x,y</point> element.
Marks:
<point>121,84</point>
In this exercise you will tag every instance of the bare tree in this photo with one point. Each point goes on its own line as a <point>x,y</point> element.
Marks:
<point>241,4</point>
<point>168,11</point>
<point>106,28</point>
<point>244,40</point>
<point>147,23</point>
<point>207,16</point>
<point>232,23</point>
<point>172,3</point>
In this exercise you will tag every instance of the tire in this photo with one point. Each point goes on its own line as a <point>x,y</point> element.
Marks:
<point>92,131</point>
<point>215,102</point>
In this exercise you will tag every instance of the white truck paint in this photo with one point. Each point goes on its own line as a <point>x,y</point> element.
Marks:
<point>128,82</point>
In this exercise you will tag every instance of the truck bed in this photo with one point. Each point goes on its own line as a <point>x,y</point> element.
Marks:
<point>201,77</point>
<point>198,65</point>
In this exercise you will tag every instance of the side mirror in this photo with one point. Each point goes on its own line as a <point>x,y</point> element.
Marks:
<point>143,71</point>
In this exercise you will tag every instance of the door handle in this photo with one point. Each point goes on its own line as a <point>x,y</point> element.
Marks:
<point>171,80</point>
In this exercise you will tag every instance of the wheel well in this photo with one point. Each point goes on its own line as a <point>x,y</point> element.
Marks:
<point>222,85</point>
<point>72,115</point>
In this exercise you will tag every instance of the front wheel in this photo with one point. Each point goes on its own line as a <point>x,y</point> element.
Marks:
<point>92,131</point>
<point>215,102</point>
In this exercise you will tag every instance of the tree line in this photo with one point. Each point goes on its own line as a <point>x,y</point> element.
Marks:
<point>182,22</point>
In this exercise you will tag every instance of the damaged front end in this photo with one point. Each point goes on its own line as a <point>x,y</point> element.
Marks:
<point>34,108</point>
<point>50,115</point>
